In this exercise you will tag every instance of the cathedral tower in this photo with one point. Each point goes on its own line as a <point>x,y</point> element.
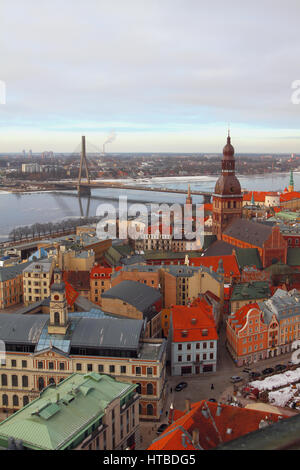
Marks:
<point>227,198</point>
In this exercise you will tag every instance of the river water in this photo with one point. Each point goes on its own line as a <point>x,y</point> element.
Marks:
<point>28,208</point>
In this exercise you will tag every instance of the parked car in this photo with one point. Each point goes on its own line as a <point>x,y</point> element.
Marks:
<point>280,367</point>
<point>267,371</point>
<point>247,370</point>
<point>180,386</point>
<point>254,374</point>
<point>162,428</point>
<point>213,400</point>
<point>235,378</point>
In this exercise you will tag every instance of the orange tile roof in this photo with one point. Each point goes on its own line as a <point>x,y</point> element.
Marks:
<point>289,196</point>
<point>216,424</point>
<point>208,207</point>
<point>229,263</point>
<point>259,196</point>
<point>98,271</point>
<point>241,315</point>
<point>183,318</point>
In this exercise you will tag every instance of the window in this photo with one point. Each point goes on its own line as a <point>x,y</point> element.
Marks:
<point>4,380</point>
<point>15,400</point>
<point>100,368</point>
<point>4,400</point>
<point>56,318</point>
<point>179,347</point>
<point>149,389</point>
<point>24,364</point>
<point>14,363</point>
<point>78,367</point>
<point>14,380</point>
<point>179,358</point>
<point>149,410</point>
<point>24,381</point>
<point>51,365</point>
<point>138,371</point>
<point>61,366</point>
<point>149,371</point>
<point>89,367</point>
<point>123,369</point>
<point>40,365</point>
<point>188,357</point>
<point>112,369</point>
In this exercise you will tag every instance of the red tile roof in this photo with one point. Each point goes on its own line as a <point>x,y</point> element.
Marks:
<point>71,294</point>
<point>241,315</point>
<point>216,424</point>
<point>289,196</point>
<point>229,263</point>
<point>103,272</point>
<point>195,321</point>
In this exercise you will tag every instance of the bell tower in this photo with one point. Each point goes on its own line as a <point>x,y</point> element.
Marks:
<point>227,198</point>
<point>58,323</point>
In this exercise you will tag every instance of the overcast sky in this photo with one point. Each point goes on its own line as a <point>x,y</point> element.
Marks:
<point>165,75</point>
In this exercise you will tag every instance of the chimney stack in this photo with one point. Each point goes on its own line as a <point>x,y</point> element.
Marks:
<point>187,405</point>
<point>195,437</point>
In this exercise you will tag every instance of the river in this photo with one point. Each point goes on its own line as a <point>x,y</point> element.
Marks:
<point>17,209</point>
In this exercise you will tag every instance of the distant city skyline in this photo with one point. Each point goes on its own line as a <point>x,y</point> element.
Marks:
<point>165,76</point>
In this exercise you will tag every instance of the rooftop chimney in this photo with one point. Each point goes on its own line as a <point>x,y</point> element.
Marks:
<point>187,405</point>
<point>195,437</point>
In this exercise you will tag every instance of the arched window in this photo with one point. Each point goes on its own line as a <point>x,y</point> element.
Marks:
<point>14,380</point>
<point>56,318</point>
<point>150,410</point>
<point>24,381</point>
<point>4,380</point>
<point>41,383</point>
<point>25,400</point>
<point>15,400</point>
<point>149,389</point>
<point>4,400</point>
<point>139,389</point>
<point>51,380</point>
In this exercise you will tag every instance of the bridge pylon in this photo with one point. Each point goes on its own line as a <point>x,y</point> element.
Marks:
<point>83,189</point>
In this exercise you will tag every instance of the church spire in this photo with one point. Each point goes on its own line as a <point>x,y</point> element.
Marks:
<point>291,185</point>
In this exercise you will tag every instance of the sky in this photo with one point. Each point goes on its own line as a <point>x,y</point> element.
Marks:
<point>162,75</point>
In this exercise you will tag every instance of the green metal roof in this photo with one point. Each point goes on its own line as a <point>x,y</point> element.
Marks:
<point>251,290</point>
<point>62,413</point>
<point>293,257</point>
<point>248,257</point>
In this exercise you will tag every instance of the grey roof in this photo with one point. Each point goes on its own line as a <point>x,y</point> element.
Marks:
<point>250,232</point>
<point>134,293</point>
<point>84,331</point>
<point>219,248</point>
<point>107,333</point>
<point>25,329</point>
<point>283,304</point>
<point>39,265</point>
<point>189,271</point>
<point>10,272</point>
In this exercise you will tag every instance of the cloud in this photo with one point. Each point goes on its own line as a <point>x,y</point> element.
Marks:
<point>163,64</point>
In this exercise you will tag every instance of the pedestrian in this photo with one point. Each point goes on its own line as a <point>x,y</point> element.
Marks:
<point>171,389</point>
<point>212,387</point>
